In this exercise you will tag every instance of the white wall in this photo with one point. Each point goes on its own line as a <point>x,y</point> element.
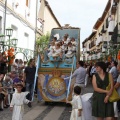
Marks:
<point>22,9</point>
<point>22,28</point>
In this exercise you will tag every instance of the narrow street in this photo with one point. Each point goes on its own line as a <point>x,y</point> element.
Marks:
<point>41,111</point>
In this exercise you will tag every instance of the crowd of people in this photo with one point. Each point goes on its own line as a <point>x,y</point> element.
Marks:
<point>20,78</point>
<point>15,85</point>
<point>100,74</point>
<point>62,48</point>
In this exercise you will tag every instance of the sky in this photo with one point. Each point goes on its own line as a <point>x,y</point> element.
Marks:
<point>78,13</point>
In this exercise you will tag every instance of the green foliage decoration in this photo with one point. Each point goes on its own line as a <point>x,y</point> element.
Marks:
<point>42,42</point>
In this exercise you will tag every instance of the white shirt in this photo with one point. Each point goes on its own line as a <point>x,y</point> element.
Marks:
<point>14,68</point>
<point>114,73</point>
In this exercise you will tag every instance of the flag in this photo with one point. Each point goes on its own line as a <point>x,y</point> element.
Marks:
<point>36,74</point>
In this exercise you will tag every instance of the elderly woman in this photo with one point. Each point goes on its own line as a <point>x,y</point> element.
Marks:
<point>101,107</point>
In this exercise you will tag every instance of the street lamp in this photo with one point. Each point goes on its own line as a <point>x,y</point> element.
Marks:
<point>14,41</point>
<point>9,32</point>
<point>7,44</point>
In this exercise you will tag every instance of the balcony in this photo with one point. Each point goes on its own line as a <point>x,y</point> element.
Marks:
<point>92,44</point>
<point>94,57</point>
<point>99,55</point>
<point>97,42</point>
<point>84,50</point>
<point>115,35</point>
<point>105,44</point>
<point>103,49</point>
<point>89,57</point>
<point>103,29</point>
<point>99,39</point>
<point>111,25</point>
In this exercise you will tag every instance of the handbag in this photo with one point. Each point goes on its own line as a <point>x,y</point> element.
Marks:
<point>115,96</point>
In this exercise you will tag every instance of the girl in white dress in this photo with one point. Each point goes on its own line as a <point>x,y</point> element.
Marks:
<point>69,50</point>
<point>76,105</point>
<point>51,49</point>
<point>57,51</point>
<point>65,41</point>
<point>17,103</point>
<point>73,42</point>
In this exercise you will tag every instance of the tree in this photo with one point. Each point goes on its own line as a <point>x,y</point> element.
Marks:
<point>42,42</point>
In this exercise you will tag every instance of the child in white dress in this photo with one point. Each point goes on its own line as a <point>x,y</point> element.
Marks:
<point>51,49</point>
<point>57,51</point>
<point>17,103</point>
<point>74,44</point>
<point>65,41</point>
<point>76,105</point>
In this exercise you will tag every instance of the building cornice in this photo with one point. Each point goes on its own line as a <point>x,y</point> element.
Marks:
<point>101,19</point>
<point>89,38</point>
<point>20,17</point>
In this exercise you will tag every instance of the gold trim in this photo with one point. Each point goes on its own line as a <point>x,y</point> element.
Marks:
<point>53,85</point>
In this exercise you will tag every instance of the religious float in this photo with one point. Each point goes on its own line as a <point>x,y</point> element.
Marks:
<point>52,85</point>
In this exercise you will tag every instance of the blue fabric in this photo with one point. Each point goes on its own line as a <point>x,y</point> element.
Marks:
<point>16,80</point>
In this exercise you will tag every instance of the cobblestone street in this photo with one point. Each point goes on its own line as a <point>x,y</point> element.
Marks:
<point>40,111</point>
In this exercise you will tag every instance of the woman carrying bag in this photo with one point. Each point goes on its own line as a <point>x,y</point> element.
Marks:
<point>101,107</point>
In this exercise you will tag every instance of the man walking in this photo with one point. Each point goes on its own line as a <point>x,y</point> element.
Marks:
<point>29,75</point>
<point>79,74</point>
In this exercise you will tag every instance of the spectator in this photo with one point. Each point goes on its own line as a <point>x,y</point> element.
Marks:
<point>108,65</point>
<point>93,70</point>
<point>101,107</point>
<point>20,66</point>
<point>25,63</point>
<point>89,70</point>
<point>79,74</point>
<point>3,66</point>
<point>29,75</point>
<point>14,66</point>
<point>8,84</point>
<point>114,71</point>
<point>3,91</point>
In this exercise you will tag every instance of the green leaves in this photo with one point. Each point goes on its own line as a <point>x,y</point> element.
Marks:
<point>42,42</point>
<point>43,39</point>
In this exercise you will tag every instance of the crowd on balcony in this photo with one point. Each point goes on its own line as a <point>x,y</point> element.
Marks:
<point>62,48</point>
<point>22,72</point>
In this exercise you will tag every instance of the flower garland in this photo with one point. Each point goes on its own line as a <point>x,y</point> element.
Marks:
<point>10,56</point>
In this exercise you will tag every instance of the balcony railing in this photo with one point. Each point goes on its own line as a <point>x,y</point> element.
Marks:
<point>111,26</point>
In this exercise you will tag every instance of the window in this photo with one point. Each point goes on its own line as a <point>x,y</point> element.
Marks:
<point>26,40</point>
<point>15,31</point>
